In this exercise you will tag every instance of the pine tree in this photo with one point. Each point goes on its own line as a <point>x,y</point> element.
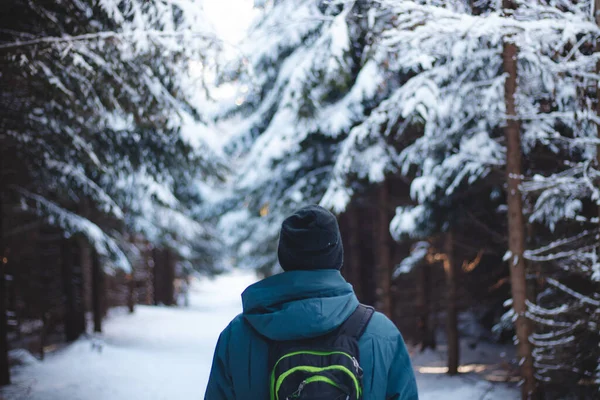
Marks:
<point>564,211</point>
<point>97,123</point>
<point>313,82</point>
<point>93,108</point>
<point>455,96</point>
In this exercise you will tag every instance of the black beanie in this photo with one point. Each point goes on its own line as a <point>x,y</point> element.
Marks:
<point>310,239</point>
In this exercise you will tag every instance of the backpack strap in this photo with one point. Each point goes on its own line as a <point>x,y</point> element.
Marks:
<point>357,322</point>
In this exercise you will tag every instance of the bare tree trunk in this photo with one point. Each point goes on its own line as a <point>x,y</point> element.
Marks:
<point>147,273</point>
<point>169,282</point>
<point>4,364</point>
<point>451,310</point>
<point>12,303</point>
<point>43,333</point>
<point>131,292</point>
<point>74,315</point>
<point>597,18</point>
<point>157,276</point>
<point>424,326</point>
<point>383,269</point>
<point>85,254</point>
<point>86,263</point>
<point>516,225</point>
<point>97,291</point>
<point>149,278</point>
<point>164,276</point>
<point>354,263</point>
<point>87,277</point>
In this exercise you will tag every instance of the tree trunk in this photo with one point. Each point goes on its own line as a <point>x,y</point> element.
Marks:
<point>131,292</point>
<point>451,310</point>
<point>148,273</point>
<point>74,315</point>
<point>85,261</point>
<point>516,225</point>
<point>157,276</point>
<point>43,334</point>
<point>383,269</point>
<point>354,263</point>
<point>4,364</point>
<point>164,276</point>
<point>424,326</point>
<point>597,18</point>
<point>169,281</point>
<point>97,291</point>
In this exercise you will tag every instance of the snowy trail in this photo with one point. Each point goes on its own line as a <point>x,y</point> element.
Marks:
<point>166,353</point>
<point>157,353</point>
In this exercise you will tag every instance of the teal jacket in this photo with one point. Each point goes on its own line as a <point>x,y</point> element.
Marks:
<point>297,305</point>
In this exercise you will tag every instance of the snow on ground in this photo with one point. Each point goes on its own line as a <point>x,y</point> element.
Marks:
<point>166,353</point>
<point>476,364</point>
<point>157,353</point>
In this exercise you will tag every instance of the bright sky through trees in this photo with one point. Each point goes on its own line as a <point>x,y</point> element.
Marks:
<point>230,17</point>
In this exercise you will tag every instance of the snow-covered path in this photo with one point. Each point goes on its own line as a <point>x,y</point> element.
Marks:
<point>157,353</point>
<point>166,352</point>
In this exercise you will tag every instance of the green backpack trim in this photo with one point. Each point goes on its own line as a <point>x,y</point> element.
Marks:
<point>295,353</point>
<point>349,333</point>
<point>319,378</point>
<point>307,368</point>
<point>316,378</point>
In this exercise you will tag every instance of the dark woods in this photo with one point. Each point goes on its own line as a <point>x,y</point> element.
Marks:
<point>96,208</point>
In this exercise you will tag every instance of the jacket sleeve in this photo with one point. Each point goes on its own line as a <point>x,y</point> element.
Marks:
<point>401,384</point>
<point>220,385</point>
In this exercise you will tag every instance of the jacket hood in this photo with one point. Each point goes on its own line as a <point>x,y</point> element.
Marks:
<point>298,304</point>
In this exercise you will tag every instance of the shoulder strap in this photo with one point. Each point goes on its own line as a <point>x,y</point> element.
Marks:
<point>357,322</point>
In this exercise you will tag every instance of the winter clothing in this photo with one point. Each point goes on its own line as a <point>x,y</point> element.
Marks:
<point>304,304</point>
<point>310,239</point>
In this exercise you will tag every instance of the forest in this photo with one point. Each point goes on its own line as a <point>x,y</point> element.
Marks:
<point>457,141</point>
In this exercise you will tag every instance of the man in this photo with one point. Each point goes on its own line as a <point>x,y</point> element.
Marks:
<point>310,299</point>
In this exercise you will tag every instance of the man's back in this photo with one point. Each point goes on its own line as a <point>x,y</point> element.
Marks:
<point>310,300</point>
<point>298,305</point>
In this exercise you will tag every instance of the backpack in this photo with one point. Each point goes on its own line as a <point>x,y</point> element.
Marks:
<point>322,368</point>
